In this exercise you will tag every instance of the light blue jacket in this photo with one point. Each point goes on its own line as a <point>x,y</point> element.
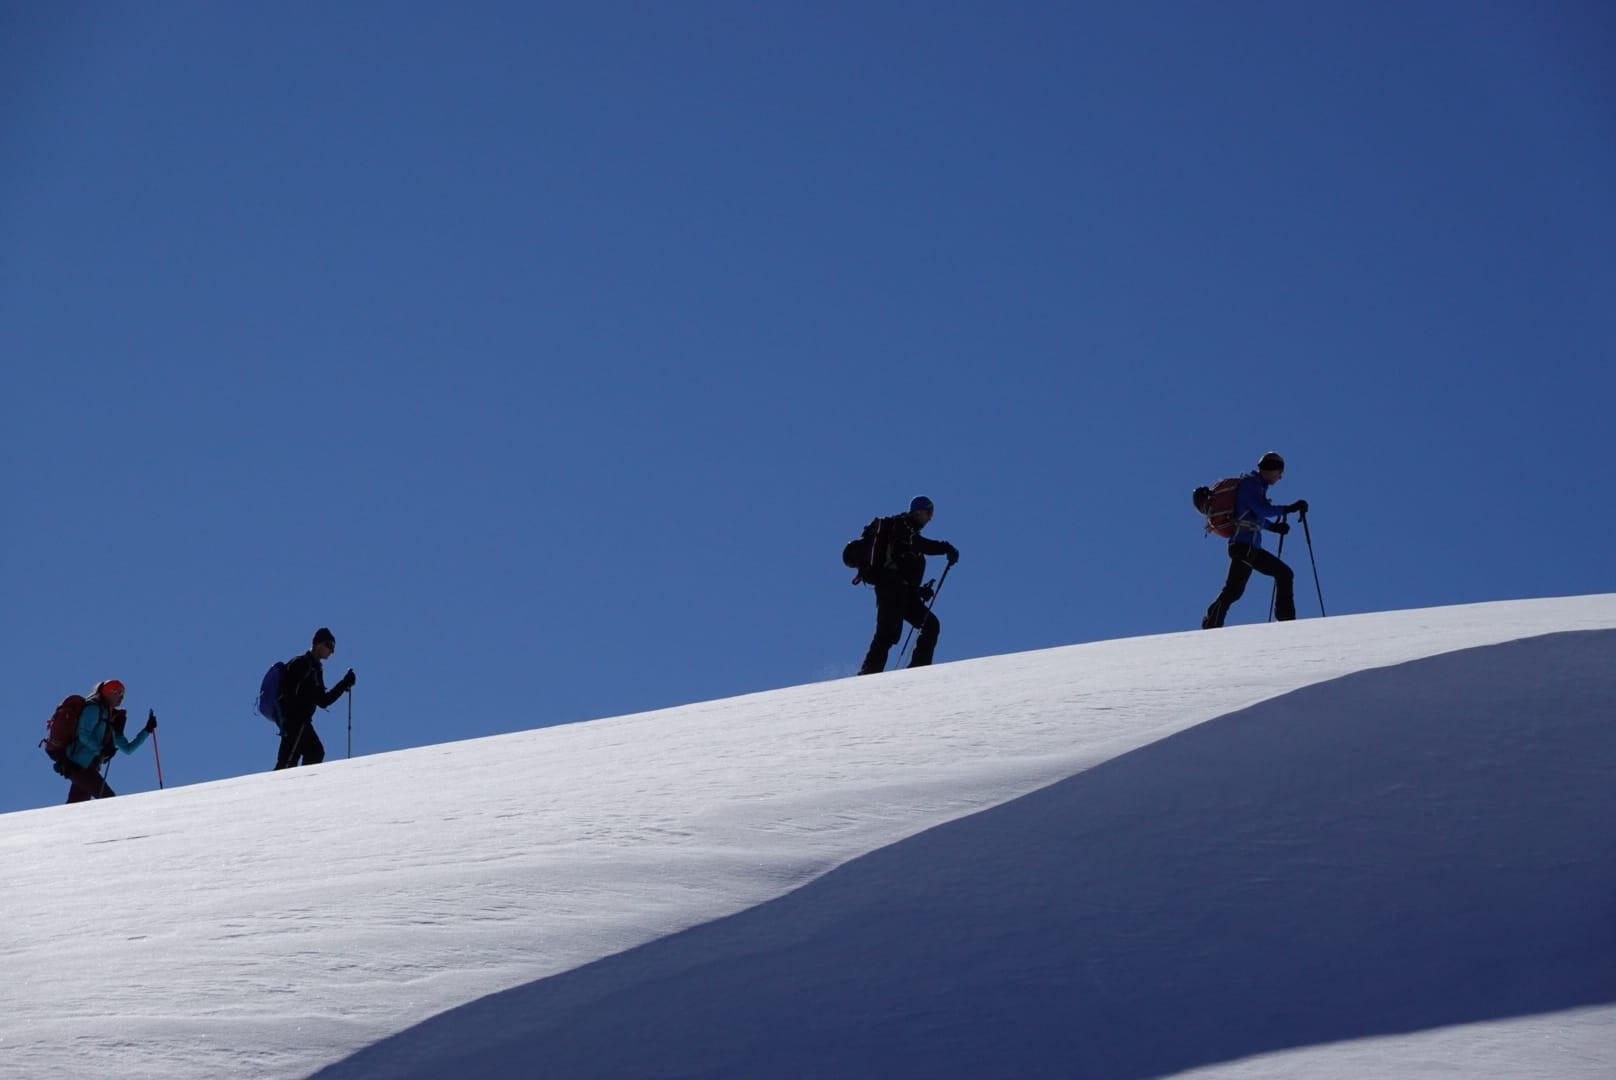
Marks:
<point>94,724</point>
<point>1252,510</point>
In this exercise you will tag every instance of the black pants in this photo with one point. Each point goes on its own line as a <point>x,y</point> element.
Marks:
<point>299,746</point>
<point>895,605</point>
<point>86,783</point>
<point>1243,559</point>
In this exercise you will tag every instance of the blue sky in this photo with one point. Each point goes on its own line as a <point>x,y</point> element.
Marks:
<point>549,354</point>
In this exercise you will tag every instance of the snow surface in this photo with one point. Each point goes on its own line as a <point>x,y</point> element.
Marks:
<point>1048,863</point>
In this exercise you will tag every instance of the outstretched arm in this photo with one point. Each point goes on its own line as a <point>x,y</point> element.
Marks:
<point>1253,502</point>
<point>129,746</point>
<point>329,697</point>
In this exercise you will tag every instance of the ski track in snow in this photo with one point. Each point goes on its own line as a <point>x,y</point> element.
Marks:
<point>272,924</point>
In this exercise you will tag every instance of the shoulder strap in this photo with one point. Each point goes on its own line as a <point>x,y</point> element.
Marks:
<point>103,715</point>
<point>290,687</point>
<point>889,536</point>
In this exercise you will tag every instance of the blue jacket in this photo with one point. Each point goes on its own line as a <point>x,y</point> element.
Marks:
<point>95,725</point>
<point>1252,510</point>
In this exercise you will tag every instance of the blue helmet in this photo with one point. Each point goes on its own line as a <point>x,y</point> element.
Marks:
<point>919,503</point>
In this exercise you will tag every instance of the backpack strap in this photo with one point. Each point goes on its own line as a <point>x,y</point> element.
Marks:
<point>290,689</point>
<point>104,714</point>
<point>876,529</point>
<point>871,539</point>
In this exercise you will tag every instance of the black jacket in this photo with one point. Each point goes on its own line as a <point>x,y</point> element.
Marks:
<point>900,553</point>
<point>303,690</point>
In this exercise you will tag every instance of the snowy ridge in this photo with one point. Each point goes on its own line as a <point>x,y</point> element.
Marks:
<point>274,924</point>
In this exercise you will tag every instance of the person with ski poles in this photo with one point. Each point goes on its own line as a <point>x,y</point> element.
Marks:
<point>302,691</point>
<point>895,564</point>
<point>100,735</point>
<point>1254,514</point>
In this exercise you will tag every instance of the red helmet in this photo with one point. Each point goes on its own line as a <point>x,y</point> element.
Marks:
<point>111,690</point>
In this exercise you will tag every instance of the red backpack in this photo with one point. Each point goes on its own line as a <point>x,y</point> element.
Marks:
<point>1217,505</point>
<point>63,726</point>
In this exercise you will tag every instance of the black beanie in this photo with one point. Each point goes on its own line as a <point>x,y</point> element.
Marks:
<point>323,634</point>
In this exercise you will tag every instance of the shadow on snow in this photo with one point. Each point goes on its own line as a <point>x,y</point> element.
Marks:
<point>1398,850</point>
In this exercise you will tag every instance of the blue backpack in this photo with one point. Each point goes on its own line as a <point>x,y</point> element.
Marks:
<point>269,693</point>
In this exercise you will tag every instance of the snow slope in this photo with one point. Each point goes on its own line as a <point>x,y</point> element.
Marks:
<point>1313,884</point>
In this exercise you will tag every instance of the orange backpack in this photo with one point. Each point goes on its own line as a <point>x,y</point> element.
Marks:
<point>1217,505</point>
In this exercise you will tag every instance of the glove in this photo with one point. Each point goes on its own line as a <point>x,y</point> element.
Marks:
<point>347,681</point>
<point>1279,527</point>
<point>1298,507</point>
<point>151,721</point>
<point>953,554</point>
<point>926,593</point>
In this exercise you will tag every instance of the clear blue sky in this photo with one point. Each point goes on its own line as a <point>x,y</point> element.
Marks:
<point>550,353</point>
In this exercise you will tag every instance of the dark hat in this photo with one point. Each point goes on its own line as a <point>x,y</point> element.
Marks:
<point>325,635</point>
<point>1271,460</point>
<point>919,503</point>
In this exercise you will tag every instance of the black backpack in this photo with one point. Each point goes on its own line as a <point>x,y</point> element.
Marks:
<point>861,554</point>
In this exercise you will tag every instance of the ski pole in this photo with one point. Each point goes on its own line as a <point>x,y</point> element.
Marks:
<point>104,774</point>
<point>1273,593</point>
<point>1308,533</point>
<point>297,744</point>
<point>905,651</point>
<point>350,722</point>
<point>157,757</point>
